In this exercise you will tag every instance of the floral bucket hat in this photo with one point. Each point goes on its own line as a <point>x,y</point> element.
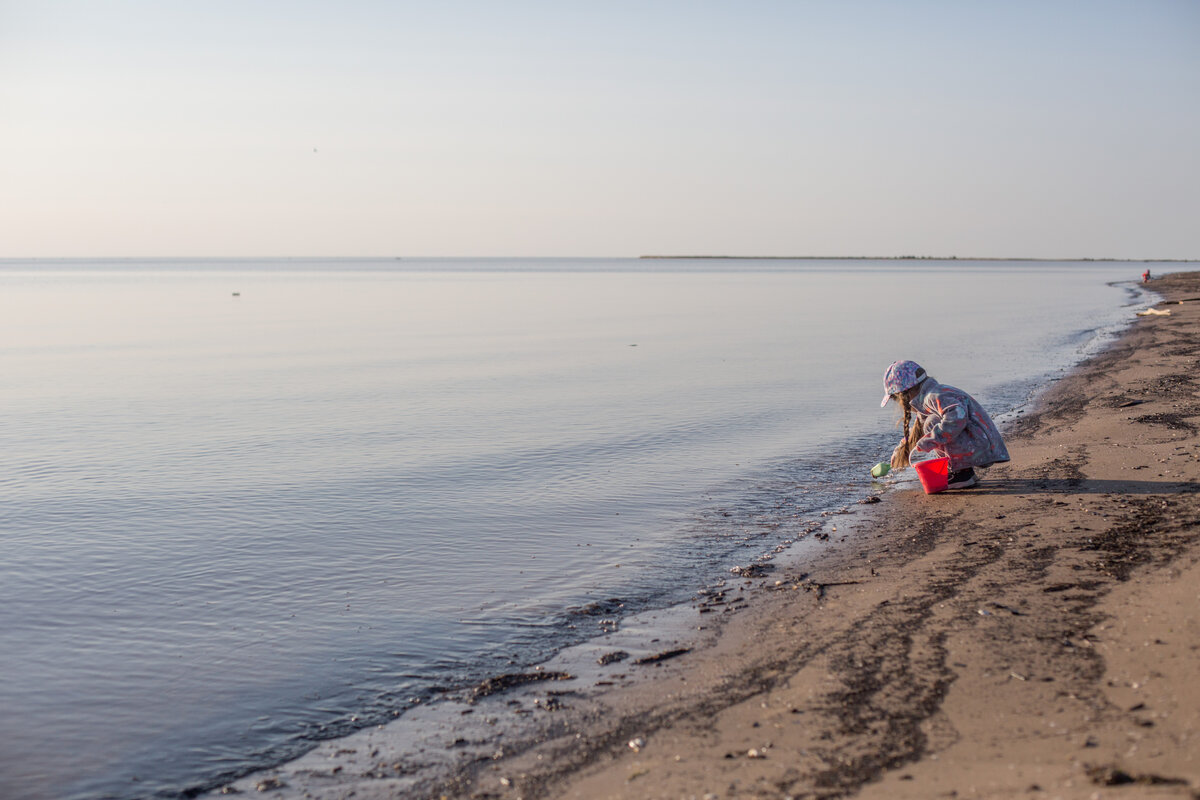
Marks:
<point>899,376</point>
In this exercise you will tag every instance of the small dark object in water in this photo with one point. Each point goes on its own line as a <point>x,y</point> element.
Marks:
<point>598,608</point>
<point>866,501</point>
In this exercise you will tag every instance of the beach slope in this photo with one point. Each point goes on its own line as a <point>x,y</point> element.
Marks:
<point>1036,636</point>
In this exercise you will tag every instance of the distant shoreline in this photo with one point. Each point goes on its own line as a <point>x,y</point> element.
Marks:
<point>930,258</point>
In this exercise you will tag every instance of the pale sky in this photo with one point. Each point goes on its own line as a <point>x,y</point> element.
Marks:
<point>1002,128</point>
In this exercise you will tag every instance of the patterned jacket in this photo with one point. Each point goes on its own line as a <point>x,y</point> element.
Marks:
<point>955,424</point>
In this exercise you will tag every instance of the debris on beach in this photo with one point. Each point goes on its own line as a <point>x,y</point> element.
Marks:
<point>819,588</point>
<point>612,658</point>
<point>719,600</point>
<point>1015,612</point>
<point>1108,775</point>
<point>753,570</point>
<point>551,703</point>
<point>500,683</point>
<point>663,656</point>
<point>637,744</point>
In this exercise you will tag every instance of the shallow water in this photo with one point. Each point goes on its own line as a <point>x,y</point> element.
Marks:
<point>237,523</point>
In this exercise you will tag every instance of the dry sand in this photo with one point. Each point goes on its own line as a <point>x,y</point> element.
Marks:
<point>1037,636</point>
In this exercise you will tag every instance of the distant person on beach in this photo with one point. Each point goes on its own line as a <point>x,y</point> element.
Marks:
<point>1146,276</point>
<point>948,421</point>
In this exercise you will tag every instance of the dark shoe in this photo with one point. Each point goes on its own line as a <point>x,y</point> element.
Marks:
<point>963,479</point>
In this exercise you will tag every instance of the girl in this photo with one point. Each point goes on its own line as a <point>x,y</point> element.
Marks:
<point>948,420</point>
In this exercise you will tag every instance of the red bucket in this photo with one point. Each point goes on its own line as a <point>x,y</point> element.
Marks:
<point>934,474</point>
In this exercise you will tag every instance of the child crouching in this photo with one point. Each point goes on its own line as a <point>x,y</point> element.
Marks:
<point>948,421</point>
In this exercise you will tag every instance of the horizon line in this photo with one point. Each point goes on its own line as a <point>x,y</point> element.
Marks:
<point>652,256</point>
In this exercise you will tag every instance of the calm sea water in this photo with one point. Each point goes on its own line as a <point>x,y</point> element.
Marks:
<point>251,504</point>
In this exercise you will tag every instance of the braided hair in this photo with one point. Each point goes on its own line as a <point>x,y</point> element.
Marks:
<point>912,431</point>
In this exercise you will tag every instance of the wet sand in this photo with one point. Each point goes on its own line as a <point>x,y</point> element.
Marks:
<point>1037,636</point>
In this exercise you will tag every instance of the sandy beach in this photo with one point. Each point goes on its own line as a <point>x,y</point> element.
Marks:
<point>1036,636</point>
